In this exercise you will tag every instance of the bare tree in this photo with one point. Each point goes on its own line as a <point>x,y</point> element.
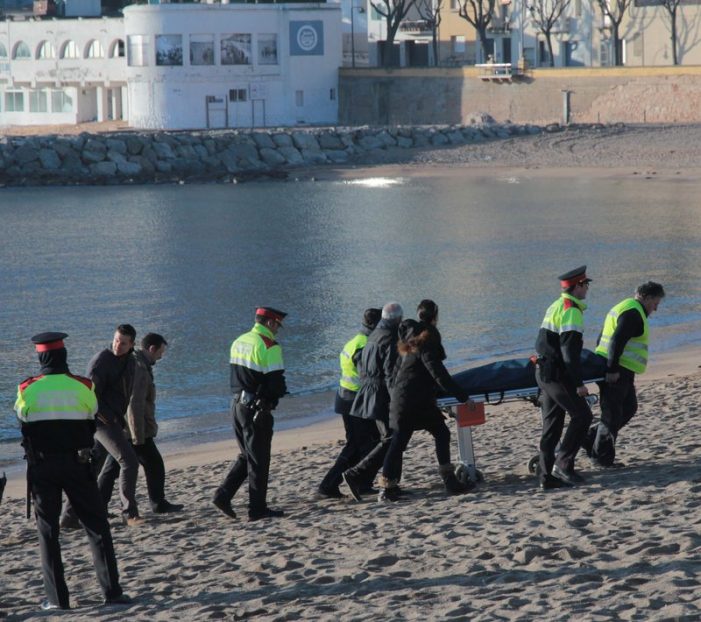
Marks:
<point>394,11</point>
<point>545,15</point>
<point>479,14</point>
<point>614,11</point>
<point>430,12</point>
<point>672,7</point>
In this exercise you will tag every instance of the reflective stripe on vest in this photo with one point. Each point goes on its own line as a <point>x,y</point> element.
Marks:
<point>635,353</point>
<point>257,350</point>
<point>559,319</point>
<point>56,397</point>
<point>349,374</point>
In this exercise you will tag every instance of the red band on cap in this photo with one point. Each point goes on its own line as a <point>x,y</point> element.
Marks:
<point>46,347</point>
<point>575,281</point>
<point>268,313</point>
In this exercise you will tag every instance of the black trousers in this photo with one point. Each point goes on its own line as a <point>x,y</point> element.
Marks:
<point>254,440</point>
<point>361,437</point>
<point>619,403</point>
<point>48,479</point>
<point>557,399</point>
<point>154,469</point>
<point>368,467</point>
<point>401,435</point>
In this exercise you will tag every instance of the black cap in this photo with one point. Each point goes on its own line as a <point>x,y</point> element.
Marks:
<point>273,314</point>
<point>371,317</point>
<point>574,277</point>
<point>48,341</point>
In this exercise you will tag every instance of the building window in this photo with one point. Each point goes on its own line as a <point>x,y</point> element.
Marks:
<point>94,50</point>
<point>169,50</point>
<point>299,98</point>
<point>3,51</point>
<point>22,51</point>
<point>138,50</point>
<point>267,49</point>
<point>117,49</point>
<point>14,101</point>
<point>238,95</point>
<point>332,94</point>
<point>69,50</point>
<point>46,50</point>
<point>61,102</point>
<point>38,101</point>
<point>201,49</point>
<point>236,49</point>
<point>457,44</point>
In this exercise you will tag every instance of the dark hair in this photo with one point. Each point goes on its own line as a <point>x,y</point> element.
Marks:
<point>153,339</point>
<point>650,290</point>
<point>127,330</point>
<point>427,310</point>
<point>371,317</point>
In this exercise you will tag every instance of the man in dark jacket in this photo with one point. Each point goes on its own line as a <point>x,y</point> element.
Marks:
<point>372,401</point>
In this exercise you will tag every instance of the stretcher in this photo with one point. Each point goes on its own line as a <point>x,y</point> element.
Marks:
<point>499,383</point>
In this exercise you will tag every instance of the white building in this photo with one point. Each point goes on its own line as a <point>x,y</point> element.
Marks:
<point>175,66</point>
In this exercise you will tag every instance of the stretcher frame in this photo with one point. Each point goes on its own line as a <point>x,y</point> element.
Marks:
<point>466,468</point>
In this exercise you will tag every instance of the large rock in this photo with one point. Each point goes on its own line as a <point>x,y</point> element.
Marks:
<point>129,169</point>
<point>117,145</point>
<point>337,155</point>
<point>329,140</point>
<point>386,139</point>
<point>49,159</point>
<point>439,139</point>
<point>134,145</point>
<point>263,140</point>
<point>370,142</point>
<point>201,151</point>
<point>305,141</point>
<point>163,150</point>
<point>92,144</point>
<point>186,151</point>
<point>147,167</point>
<point>164,166</point>
<point>292,156</point>
<point>103,169</point>
<point>116,156</point>
<point>244,153</point>
<point>314,156</point>
<point>456,137</point>
<point>282,140</point>
<point>92,157</point>
<point>25,154</point>
<point>272,157</point>
<point>229,161</point>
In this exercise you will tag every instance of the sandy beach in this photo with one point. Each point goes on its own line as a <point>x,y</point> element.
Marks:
<point>624,546</point>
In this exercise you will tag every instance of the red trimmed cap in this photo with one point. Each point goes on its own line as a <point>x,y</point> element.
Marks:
<point>273,314</point>
<point>574,277</point>
<point>44,342</point>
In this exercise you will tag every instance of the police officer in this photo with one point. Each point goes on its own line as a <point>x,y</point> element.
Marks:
<point>624,344</point>
<point>558,374</point>
<point>257,383</point>
<point>57,414</point>
<point>361,434</point>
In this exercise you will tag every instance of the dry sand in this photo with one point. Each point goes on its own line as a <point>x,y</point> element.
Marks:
<point>624,546</point>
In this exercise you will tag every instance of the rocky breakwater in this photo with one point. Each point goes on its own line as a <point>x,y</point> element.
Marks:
<point>224,156</point>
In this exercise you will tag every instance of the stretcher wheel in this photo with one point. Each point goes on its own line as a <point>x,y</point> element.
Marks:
<point>533,464</point>
<point>463,475</point>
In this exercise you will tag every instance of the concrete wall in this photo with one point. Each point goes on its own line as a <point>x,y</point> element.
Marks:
<point>607,95</point>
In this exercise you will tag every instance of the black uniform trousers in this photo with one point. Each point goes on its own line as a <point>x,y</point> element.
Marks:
<point>368,467</point>
<point>48,478</point>
<point>362,436</point>
<point>154,470</point>
<point>619,403</point>
<point>558,398</point>
<point>254,439</point>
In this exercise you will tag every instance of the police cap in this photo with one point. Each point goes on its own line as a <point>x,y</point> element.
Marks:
<point>273,314</point>
<point>371,317</point>
<point>574,277</point>
<point>43,342</point>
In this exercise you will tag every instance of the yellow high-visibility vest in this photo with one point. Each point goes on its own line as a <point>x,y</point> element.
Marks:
<point>635,353</point>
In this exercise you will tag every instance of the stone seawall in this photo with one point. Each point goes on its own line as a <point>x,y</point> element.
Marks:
<point>224,156</point>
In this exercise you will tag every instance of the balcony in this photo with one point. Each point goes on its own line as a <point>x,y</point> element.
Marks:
<point>499,26</point>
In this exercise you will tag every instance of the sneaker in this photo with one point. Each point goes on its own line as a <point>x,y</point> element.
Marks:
<point>166,507</point>
<point>224,506</point>
<point>69,521</point>
<point>330,493</point>
<point>266,513</point>
<point>551,483</point>
<point>351,480</point>
<point>570,477</point>
<point>133,521</point>
<point>388,495</point>
<point>47,605</point>
<point>122,599</point>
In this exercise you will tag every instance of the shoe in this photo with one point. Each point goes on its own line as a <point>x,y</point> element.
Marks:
<point>351,480</point>
<point>389,495</point>
<point>330,493</point>
<point>133,521</point>
<point>47,605</point>
<point>69,521</point>
<point>569,477</point>
<point>266,513</point>
<point>612,465</point>
<point>369,490</point>
<point>551,483</point>
<point>122,599</point>
<point>165,507</point>
<point>224,506</point>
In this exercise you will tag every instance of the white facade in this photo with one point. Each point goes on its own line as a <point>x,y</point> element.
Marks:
<point>175,66</point>
<point>232,65</point>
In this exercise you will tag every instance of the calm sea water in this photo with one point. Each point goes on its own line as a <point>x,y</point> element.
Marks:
<point>192,262</point>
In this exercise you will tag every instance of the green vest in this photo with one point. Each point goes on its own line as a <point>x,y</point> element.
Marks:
<point>56,397</point>
<point>349,374</point>
<point>257,350</point>
<point>565,315</point>
<point>634,355</point>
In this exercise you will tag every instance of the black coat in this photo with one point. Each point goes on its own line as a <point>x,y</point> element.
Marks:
<point>376,370</point>
<point>420,373</point>
<point>113,377</point>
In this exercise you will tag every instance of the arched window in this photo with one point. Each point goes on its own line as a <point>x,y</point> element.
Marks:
<point>94,50</point>
<point>46,50</point>
<point>117,49</point>
<point>3,51</point>
<point>22,51</point>
<point>69,50</point>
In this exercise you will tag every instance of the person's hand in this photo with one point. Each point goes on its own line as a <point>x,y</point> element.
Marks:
<point>612,377</point>
<point>582,391</point>
<point>101,418</point>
